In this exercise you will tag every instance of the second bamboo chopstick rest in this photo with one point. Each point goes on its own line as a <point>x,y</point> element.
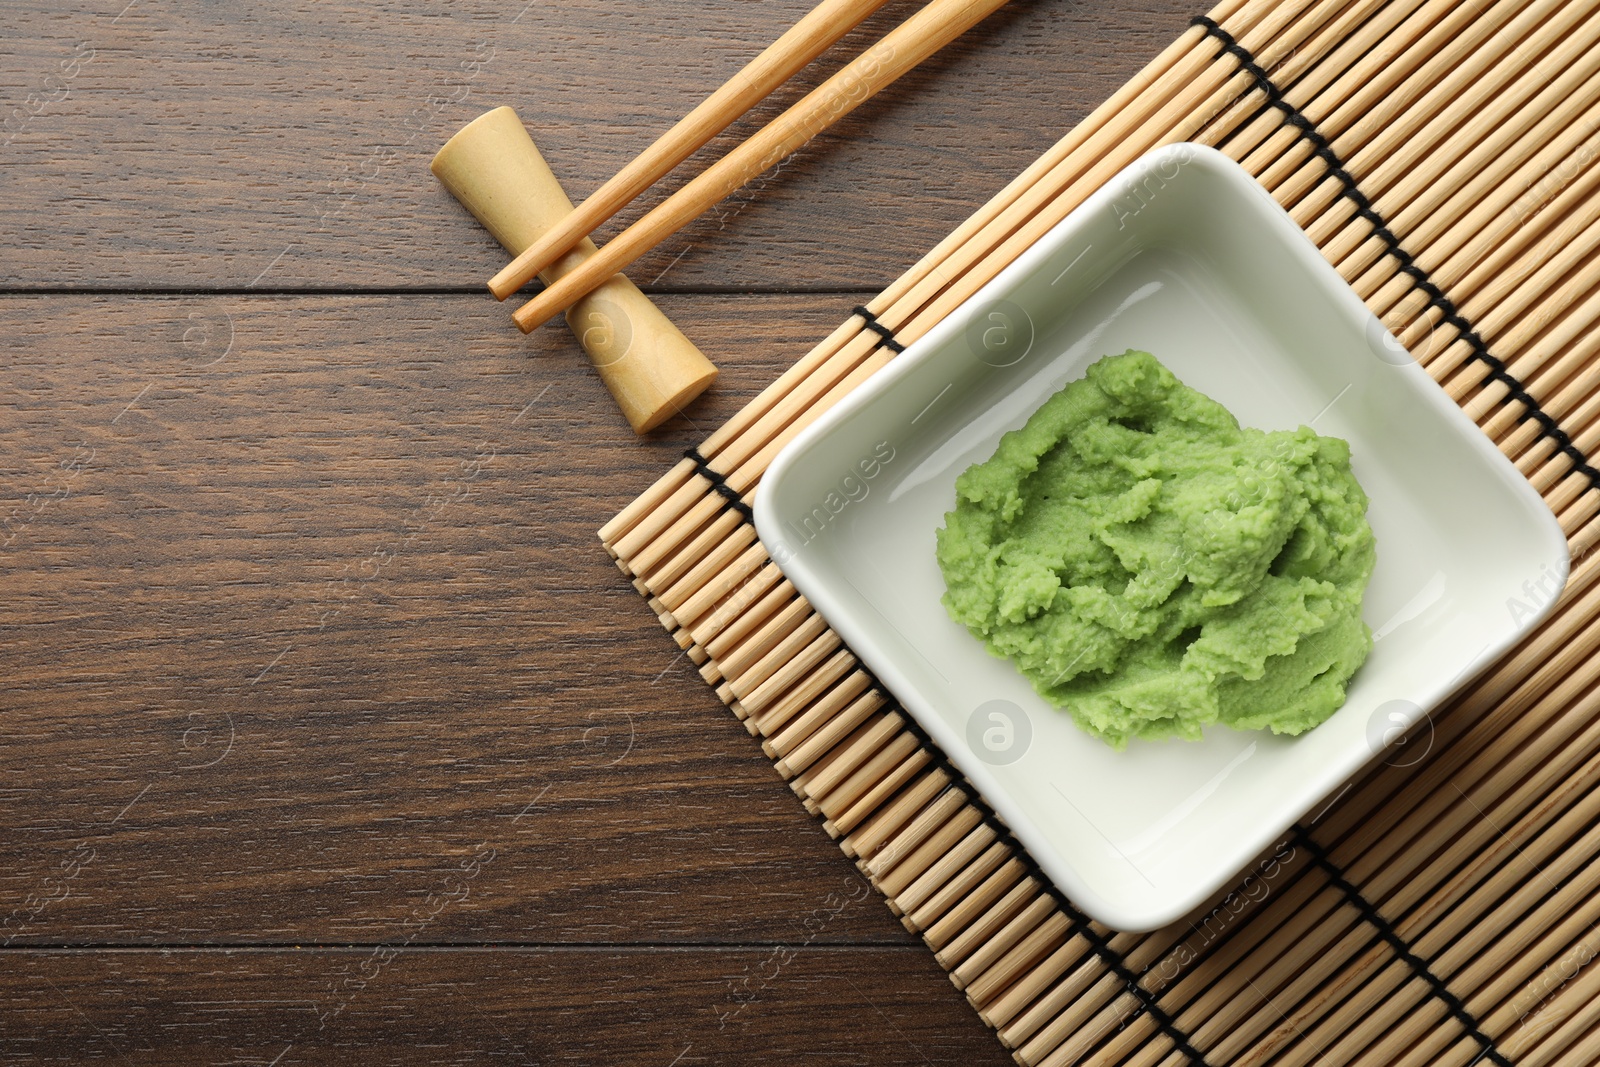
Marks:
<point>494,169</point>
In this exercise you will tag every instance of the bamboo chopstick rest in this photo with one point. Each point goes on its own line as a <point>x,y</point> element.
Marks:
<point>494,169</point>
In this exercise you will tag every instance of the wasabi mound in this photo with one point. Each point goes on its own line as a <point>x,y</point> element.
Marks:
<point>1153,568</point>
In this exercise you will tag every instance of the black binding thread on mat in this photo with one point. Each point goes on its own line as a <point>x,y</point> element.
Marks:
<point>731,497</point>
<point>880,329</point>
<point>1548,425</point>
<point>1114,960</point>
<point>720,484</point>
<point>1391,936</point>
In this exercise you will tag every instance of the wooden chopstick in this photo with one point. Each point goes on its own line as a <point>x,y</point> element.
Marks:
<point>803,42</point>
<point>923,34</point>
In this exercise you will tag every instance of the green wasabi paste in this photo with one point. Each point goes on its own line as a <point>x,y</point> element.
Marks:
<point>1153,568</point>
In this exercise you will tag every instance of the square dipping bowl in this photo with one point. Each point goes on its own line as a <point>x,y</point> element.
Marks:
<point>1185,256</point>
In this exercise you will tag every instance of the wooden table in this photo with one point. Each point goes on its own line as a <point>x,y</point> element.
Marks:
<point>330,734</point>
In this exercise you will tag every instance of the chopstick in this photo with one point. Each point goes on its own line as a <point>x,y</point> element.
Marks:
<point>803,42</point>
<point>914,40</point>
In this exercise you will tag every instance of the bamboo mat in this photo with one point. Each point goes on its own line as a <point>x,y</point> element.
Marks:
<point>1441,153</point>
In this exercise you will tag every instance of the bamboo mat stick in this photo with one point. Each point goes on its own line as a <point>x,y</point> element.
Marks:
<point>1289,882</point>
<point>1480,277</point>
<point>1514,343</point>
<point>1387,165</point>
<point>903,842</point>
<point>888,782</point>
<point>1307,73</point>
<point>1320,229</point>
<point>1579,1005</point>
<point>1294,904</point>
<point>1550,361</point>
<point>1480,260</point>
<point>1093,989</point>
<point>969,849</point>
<point>1062,964</point>
<point>901,49</point>
<point>1049,957</point>
<point>964,885</point>
<point>899,813</point>
<point>996,930</point>
<point>1380,870</point>
<point>914,864</point>
<point>696,573</point>
<point>1200,999</point>
<point>961,914</point>
<point>1497,983</point>
<point>737,453</point>
<point>1557,310</point>
<point>1376,75</point>
<point>1477,96</point>
<point>661,568</point>
<point>1499,157</point>
<point>1493,30</point>
<point>1309,986</point>
<point>1045,938</point>
<point>1540,991</point>
<point>781,625</point>
<point>1513,839</point>
<point>1562,387</point>
<point>1376,79</point>
<point>774,394</point>
<point>1292,883</point>
<point>804,742</point>
<point>1070,972</point>
<point>1391,82</point>
<point>645,502</point>
<point>1428,192</point>
<point>765,594</point>
<point>1576,403</point>
<point>820,687</point>
<point>784,667</point>
<point>848,772</point>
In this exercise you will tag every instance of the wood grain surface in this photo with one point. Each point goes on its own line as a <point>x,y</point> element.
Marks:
<point>327,729</point>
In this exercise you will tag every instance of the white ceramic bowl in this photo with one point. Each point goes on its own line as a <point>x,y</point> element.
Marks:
<point>1185,256</point>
